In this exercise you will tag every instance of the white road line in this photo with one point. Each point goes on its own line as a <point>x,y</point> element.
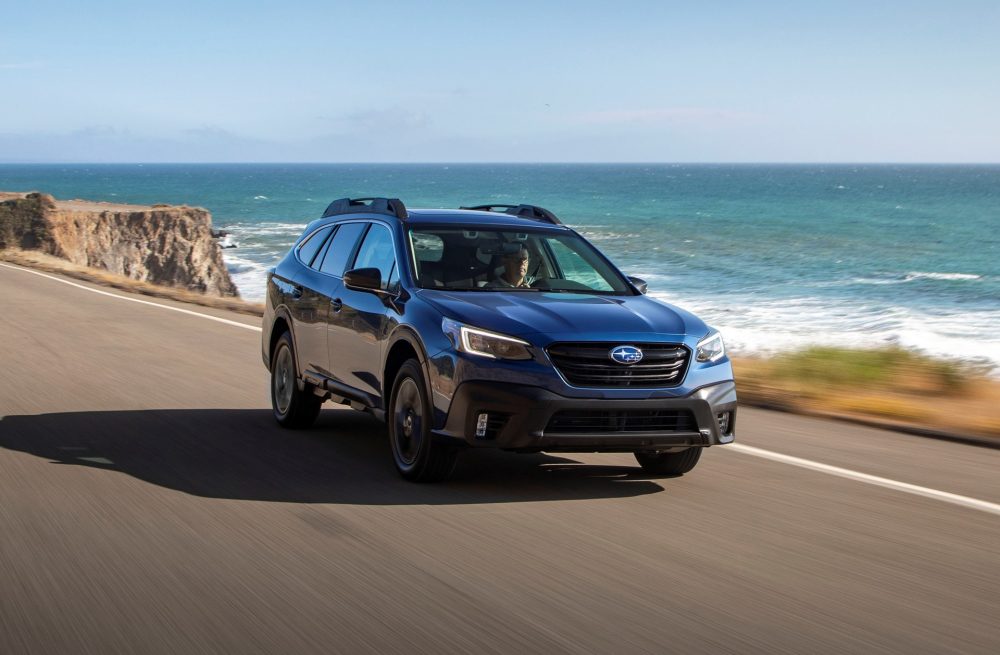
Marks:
<point>141,302</point>
<point>955,499</point>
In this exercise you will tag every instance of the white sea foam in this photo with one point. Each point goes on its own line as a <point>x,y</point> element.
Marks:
<point>917,275</point>
<point>609,236</point>
<point>249,276</point>
<point>914,276</point>
<point>878,281</point>
<point>261,198</point>
<point>757,326</point>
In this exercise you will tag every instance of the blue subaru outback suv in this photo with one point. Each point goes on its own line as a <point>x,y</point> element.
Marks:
<point>490,326</point>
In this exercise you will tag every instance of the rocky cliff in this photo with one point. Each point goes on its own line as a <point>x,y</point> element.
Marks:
<point>161,244</point>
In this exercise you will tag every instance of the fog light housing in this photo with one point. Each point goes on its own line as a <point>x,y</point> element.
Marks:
<point>725,420</point>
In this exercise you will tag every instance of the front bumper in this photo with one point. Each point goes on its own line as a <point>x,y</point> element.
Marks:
<point>520,418</point>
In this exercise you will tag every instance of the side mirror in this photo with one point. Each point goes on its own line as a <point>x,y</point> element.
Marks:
<point>364,279</point>
<point>638,283</point>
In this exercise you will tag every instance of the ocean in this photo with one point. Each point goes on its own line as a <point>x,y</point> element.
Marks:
<point>778,257</point>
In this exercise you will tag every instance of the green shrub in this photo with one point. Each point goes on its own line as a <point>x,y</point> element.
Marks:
<point>886,368</point>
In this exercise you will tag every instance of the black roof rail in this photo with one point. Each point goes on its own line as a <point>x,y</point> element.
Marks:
<point>387,206</point>
<point>523,211</point>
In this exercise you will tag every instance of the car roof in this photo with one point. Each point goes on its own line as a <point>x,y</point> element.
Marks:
<point>461,217</point>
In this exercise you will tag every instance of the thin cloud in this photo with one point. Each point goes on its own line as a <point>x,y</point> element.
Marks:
<point>688,116</point>
<point>394,119</point>
<point>21,66</point>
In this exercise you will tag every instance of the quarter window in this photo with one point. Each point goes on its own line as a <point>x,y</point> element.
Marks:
<point>312,245</point>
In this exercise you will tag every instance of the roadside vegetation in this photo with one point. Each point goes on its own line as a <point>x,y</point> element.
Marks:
<point>21,224</point>
<point>892,386</point>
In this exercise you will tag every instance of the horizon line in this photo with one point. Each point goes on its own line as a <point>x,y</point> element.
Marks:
<point>498,163</point>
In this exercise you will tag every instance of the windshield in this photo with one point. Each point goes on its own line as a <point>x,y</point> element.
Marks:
<point>492,260</point>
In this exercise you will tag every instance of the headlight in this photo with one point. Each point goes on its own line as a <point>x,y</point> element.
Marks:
<point>484,343</point>
<point>711,348</point>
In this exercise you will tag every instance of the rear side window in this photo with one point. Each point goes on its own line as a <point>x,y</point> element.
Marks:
<point>377,252</point>
<point>341,248</point>
<point>311,246</point>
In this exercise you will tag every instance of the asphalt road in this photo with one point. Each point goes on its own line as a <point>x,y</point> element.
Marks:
<point>149,504</point>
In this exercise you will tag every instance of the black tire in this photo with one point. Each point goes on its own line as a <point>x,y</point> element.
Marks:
<point>669,463</point>
<point>292,408</point>
<point>418,457</point>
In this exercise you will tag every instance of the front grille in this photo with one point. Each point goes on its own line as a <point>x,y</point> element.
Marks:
<point>595,421</point>
<point>590,365</point>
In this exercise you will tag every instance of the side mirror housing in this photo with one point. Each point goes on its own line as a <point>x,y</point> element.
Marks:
<point>364,279</point>
<point>638,283</point>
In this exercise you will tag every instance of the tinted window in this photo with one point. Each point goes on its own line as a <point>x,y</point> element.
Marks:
<point>377,252</point>
<point>427,246</point>
<point>341,248</point>
<point>491,260</point>
<point>393,285</point>
<point>318,260</point>
<point>575,268</point>
<point>311,246</point>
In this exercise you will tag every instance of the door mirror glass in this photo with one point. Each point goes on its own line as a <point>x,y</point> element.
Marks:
<point>364,279</point>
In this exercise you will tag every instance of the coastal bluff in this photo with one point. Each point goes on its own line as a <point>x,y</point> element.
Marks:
<point>163,244</point>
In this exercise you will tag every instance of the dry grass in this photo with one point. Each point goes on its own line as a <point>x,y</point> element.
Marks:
<point>43,262</point>
<point>896,386</point>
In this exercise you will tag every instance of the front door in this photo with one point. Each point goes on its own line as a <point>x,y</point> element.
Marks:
<point>360,320</point>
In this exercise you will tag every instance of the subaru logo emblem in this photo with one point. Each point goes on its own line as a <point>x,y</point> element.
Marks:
<point>626,354</point>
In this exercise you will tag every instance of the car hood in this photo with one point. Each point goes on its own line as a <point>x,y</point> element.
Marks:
<point>566,315</point>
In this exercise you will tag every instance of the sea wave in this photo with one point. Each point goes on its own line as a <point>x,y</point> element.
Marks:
<point>249,276</point>
<point>754,326</point>
<point>268,229</point>
<point>914,276</point>
<point>918,275</point>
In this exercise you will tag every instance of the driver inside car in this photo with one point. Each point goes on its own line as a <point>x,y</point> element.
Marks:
<point>515,271</point>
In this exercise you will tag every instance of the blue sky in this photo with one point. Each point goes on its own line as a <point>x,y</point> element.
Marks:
<point>506,81</point>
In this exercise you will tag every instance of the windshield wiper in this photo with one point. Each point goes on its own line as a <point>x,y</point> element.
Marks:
<point>484,289</point>
<point>588,292</point>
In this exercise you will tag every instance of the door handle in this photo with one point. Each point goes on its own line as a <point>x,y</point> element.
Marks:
<point>296,293</point>
<point>336,304</point>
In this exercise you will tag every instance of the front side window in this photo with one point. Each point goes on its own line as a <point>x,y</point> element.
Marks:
<point>378,252</point>
<point>493,260</point>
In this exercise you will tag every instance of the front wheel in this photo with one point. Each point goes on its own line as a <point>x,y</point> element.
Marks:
<point>292,408</point>
<point>417,456</point>
<point>669,463</point>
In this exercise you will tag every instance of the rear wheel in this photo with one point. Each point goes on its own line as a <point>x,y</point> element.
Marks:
<point>417,456</point>
<point>669,463</point>
<point>292,408</point>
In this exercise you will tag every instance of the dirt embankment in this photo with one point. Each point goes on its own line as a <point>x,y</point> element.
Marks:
<point>164,245</point>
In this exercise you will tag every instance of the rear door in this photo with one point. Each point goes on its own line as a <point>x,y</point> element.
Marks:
<point>341,249</point>
<point>309,303</point>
